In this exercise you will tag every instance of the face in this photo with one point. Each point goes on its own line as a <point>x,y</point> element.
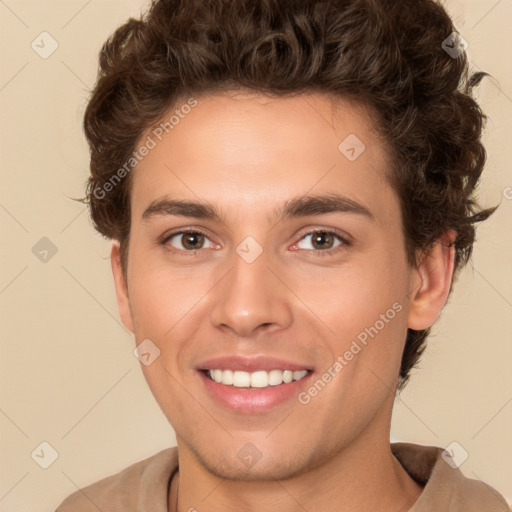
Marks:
<point>277,304</point>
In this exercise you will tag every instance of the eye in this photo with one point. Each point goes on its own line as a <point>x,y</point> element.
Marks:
<point>188,240</point>
<point>322,241</point>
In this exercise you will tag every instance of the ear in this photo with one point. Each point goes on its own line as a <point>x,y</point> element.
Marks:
<point>431,282</point>
<point>123,303</point>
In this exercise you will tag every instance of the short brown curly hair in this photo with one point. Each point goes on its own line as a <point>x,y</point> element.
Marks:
<point>387,54</point>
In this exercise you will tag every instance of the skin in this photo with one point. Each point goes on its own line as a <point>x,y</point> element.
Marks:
<point>247,154</point>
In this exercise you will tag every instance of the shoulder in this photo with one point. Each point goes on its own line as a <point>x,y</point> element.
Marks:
<point>445,486</point>
<point>144,481</point>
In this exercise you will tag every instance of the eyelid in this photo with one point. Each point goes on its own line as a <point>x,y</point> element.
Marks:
<point>342,235</point>
<point>180,231</point>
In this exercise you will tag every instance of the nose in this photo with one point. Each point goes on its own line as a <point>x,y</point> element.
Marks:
<point>251,299</point>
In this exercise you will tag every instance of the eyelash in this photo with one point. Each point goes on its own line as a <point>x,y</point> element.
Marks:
<point>345,243</point>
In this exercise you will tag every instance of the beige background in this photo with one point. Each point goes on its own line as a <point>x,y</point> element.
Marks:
<point>68,375</point>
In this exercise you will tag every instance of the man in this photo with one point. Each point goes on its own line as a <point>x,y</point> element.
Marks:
<point>289,188</point>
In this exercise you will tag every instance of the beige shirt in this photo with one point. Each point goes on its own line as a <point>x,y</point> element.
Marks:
<point>144,486</point>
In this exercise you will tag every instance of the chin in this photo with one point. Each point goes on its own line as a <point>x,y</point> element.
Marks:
<point>261,467</point>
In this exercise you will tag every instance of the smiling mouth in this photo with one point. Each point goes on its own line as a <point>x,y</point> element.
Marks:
<point>258,379</point>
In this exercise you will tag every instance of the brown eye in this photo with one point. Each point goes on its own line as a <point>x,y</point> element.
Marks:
<point>192,240</point>
<point>187,240</point>
<point>321,240</point>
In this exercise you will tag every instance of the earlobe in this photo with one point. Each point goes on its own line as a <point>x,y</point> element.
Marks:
<point>123,302</point>
<point>431,282</point>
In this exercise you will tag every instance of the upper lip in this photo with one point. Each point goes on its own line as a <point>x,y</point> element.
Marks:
<point>250,364</point>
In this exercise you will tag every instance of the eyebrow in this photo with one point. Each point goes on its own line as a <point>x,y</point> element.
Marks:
<point>302,206</point>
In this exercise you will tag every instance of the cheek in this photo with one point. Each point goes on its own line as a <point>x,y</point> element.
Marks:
<point>165,384</point>
<point>364,306</point>
<point>167,306</point>
<point>161,295</point>
<point>355,294</point>
<point>379,322</point>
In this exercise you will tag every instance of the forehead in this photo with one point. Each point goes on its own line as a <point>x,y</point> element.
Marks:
<point>251,150</point>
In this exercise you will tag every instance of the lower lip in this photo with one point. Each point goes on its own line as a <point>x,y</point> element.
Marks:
<point>253,400</point>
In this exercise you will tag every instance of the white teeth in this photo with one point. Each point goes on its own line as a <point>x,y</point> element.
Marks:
<point>241,379</point>
<point>287,376</point>
<point>258,379</point>
<point>275,377</point>
<point>299,374</point>
<point>227,377</point>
